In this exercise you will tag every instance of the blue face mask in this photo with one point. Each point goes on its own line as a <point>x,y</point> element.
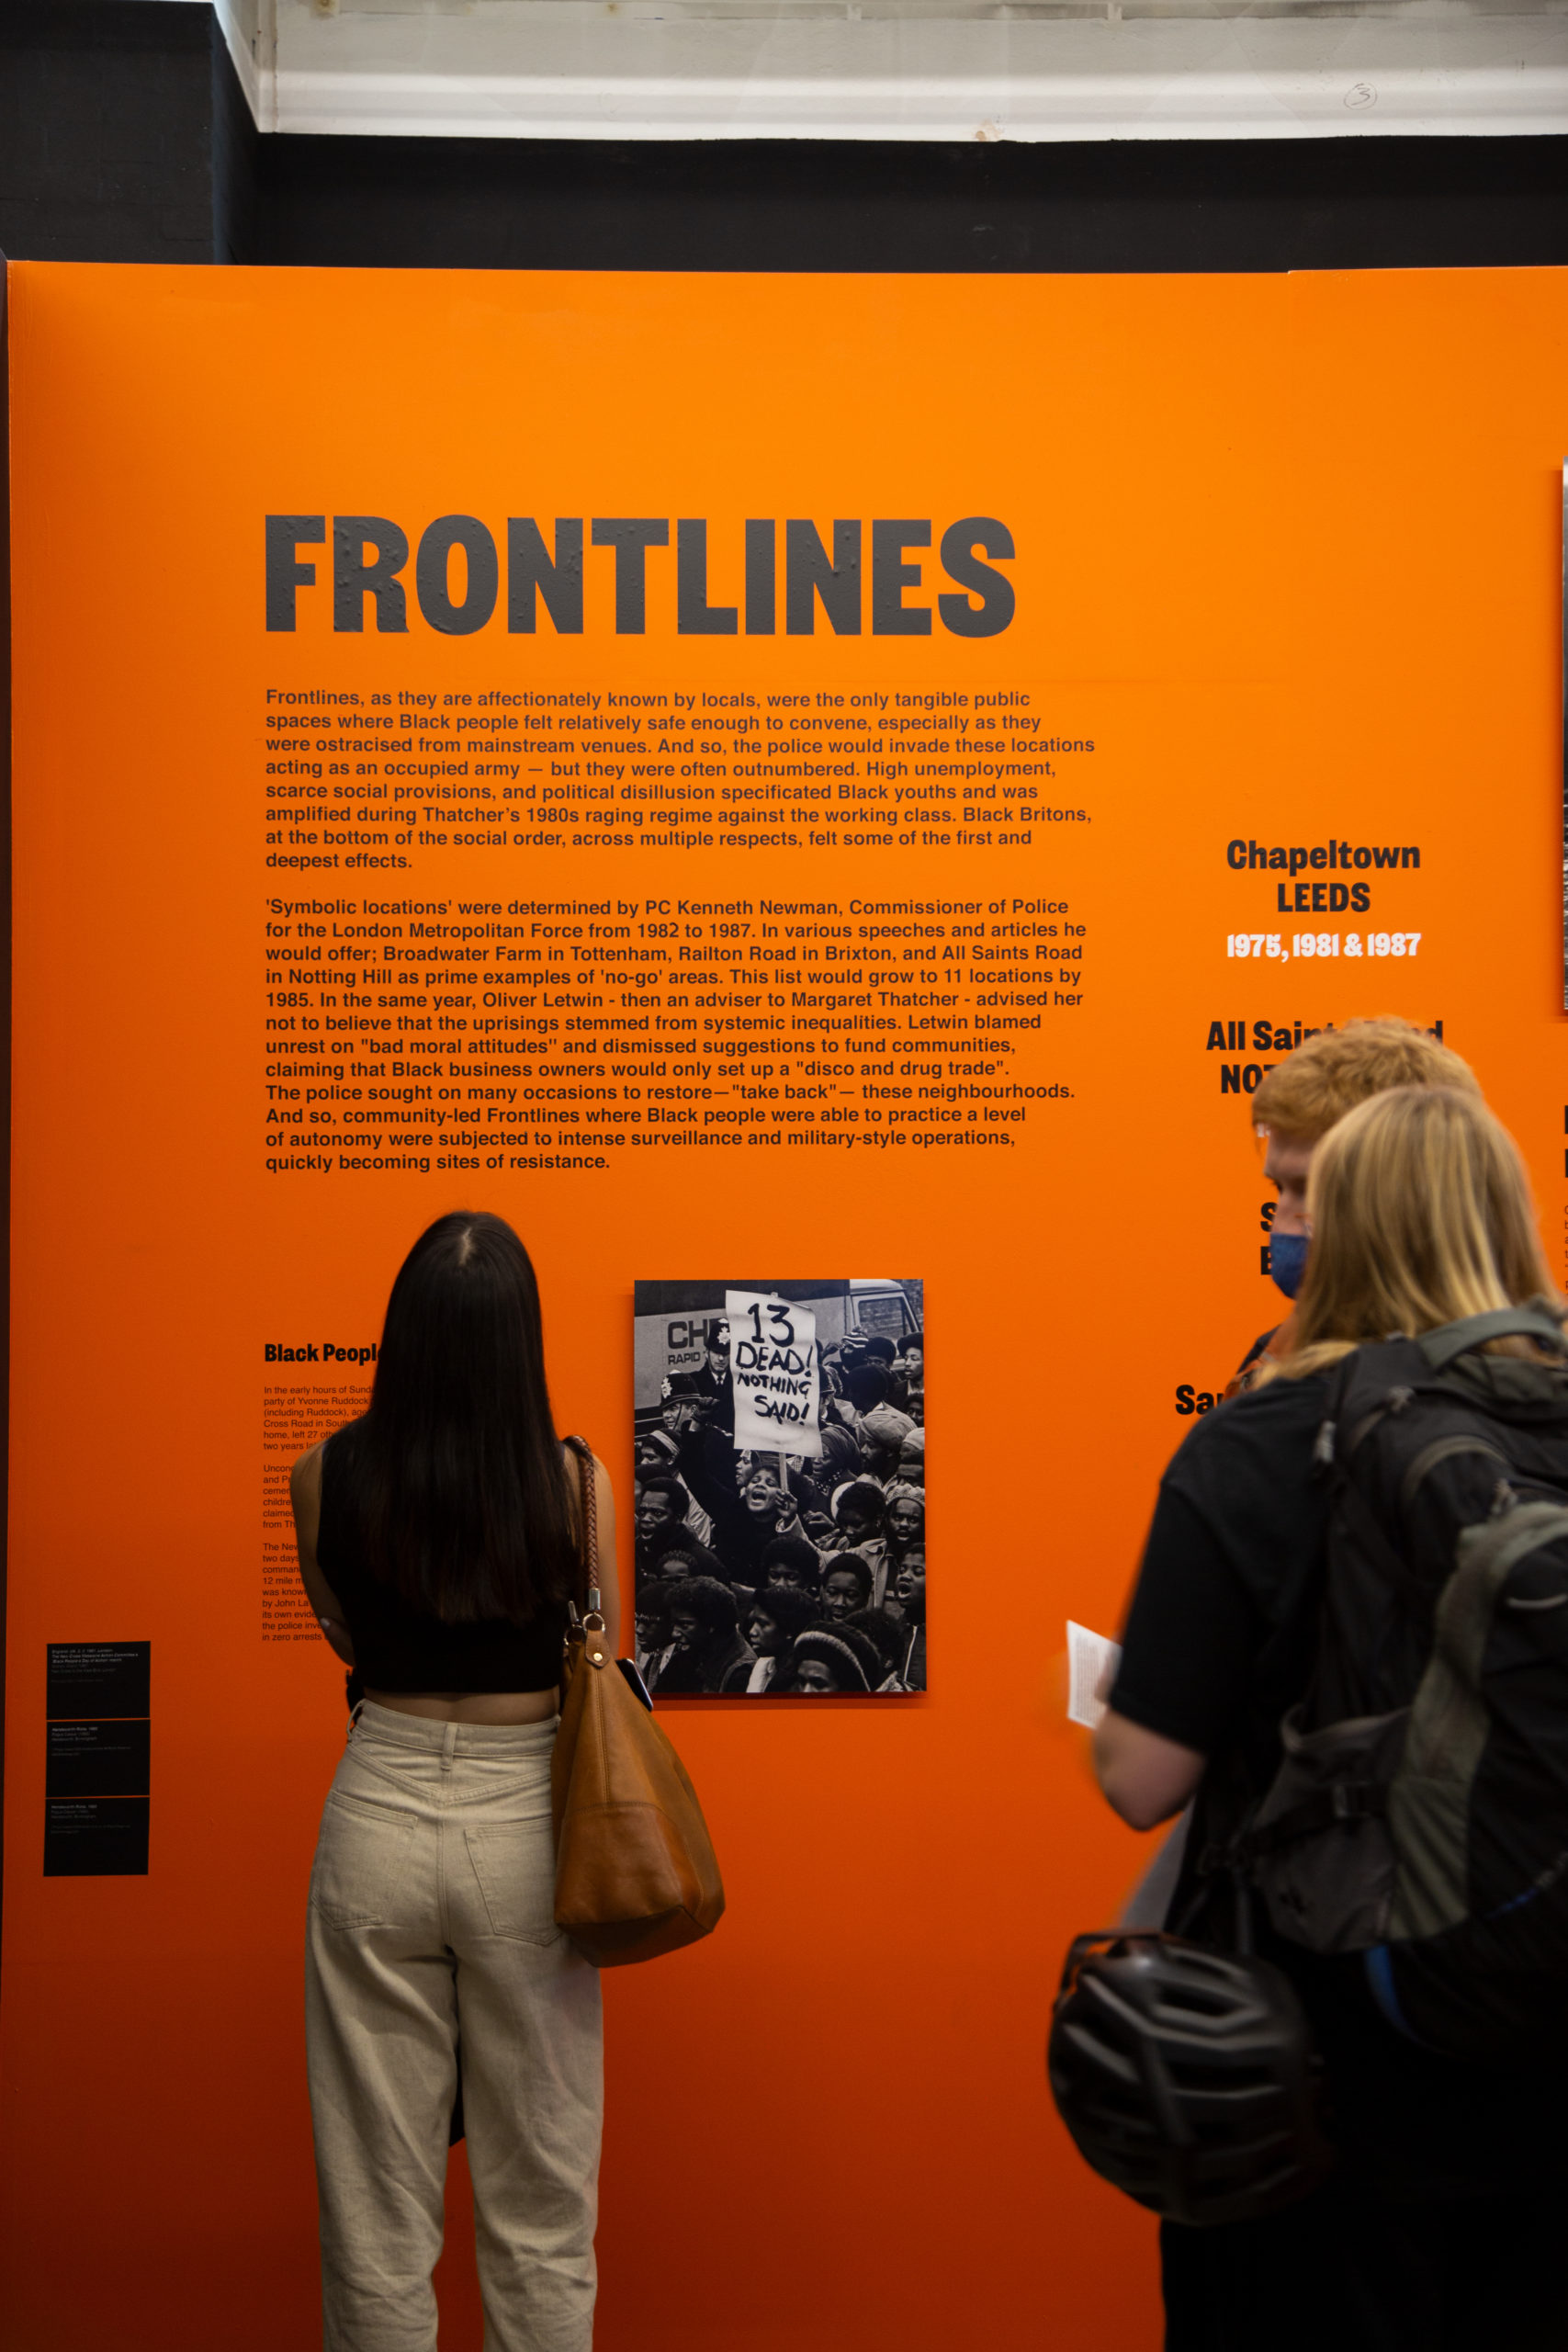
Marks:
<point>1287,1261</point>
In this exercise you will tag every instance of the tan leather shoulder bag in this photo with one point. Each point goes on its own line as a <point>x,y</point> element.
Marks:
<point>636,1874</point>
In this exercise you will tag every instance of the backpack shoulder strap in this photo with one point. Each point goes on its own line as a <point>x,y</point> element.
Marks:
<point>1445,1345</point>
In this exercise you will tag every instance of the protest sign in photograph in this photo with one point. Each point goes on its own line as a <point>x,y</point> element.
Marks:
<point>773,1364</point>
<point>780,1500</point>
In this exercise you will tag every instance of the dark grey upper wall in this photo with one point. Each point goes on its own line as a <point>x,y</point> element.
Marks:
<point>124,137</point>
<point>846,205</point>
<point>105,131</point>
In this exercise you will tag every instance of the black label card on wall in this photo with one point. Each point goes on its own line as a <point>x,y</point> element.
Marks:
<point>95,1837</point>
<point>91,1679</point>
<point>110,1758</point>
<point>98,1759</point>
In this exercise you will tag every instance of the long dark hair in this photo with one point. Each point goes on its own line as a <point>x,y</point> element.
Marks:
<point>462,1494</point>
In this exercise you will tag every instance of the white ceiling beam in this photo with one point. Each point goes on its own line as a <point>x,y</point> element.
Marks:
<point>730,69</point>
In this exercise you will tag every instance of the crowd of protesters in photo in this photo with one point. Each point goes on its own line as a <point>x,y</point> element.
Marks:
<point>804,1576</point>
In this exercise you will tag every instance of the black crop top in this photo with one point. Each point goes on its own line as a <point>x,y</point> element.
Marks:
<point>399,1647</point>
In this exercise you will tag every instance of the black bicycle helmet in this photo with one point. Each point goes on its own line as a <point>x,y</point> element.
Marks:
<point>1187,2077</point>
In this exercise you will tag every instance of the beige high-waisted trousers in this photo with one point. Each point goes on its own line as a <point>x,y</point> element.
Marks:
<point>432,1931</point>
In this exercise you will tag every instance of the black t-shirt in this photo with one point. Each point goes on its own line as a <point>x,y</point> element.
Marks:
<point>1218,1643</point>
<point>1218,1639</point>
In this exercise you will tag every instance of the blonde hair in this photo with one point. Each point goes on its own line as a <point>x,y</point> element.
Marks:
<point>1421,1213</point>
<point>1329,1073</point>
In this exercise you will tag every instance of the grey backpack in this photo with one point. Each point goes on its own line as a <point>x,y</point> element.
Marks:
<point>1420,1813</point>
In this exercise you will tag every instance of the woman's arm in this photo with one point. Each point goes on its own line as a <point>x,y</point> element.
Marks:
<point>305,1493</point>
<point>1142,1776</point>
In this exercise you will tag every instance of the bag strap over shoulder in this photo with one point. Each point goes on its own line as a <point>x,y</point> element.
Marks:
<point>588,1524</point>
<point>1444,1346</point>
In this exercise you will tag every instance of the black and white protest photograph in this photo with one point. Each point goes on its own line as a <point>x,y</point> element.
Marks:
<point>780,1447</point>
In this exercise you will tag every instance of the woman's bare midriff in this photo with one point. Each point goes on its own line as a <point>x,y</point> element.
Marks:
<point>471,1706</point>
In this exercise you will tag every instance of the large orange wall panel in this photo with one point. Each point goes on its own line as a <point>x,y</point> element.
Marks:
<point>1288,554</point>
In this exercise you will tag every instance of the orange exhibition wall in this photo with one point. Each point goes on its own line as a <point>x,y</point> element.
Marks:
<point>1066,604</point>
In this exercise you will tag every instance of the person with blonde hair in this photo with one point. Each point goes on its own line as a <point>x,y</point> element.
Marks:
<point>1299,1101</point>
<point>1438,2227</point>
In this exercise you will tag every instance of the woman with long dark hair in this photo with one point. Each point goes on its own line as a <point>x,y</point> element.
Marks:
<point>438,1542</point>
